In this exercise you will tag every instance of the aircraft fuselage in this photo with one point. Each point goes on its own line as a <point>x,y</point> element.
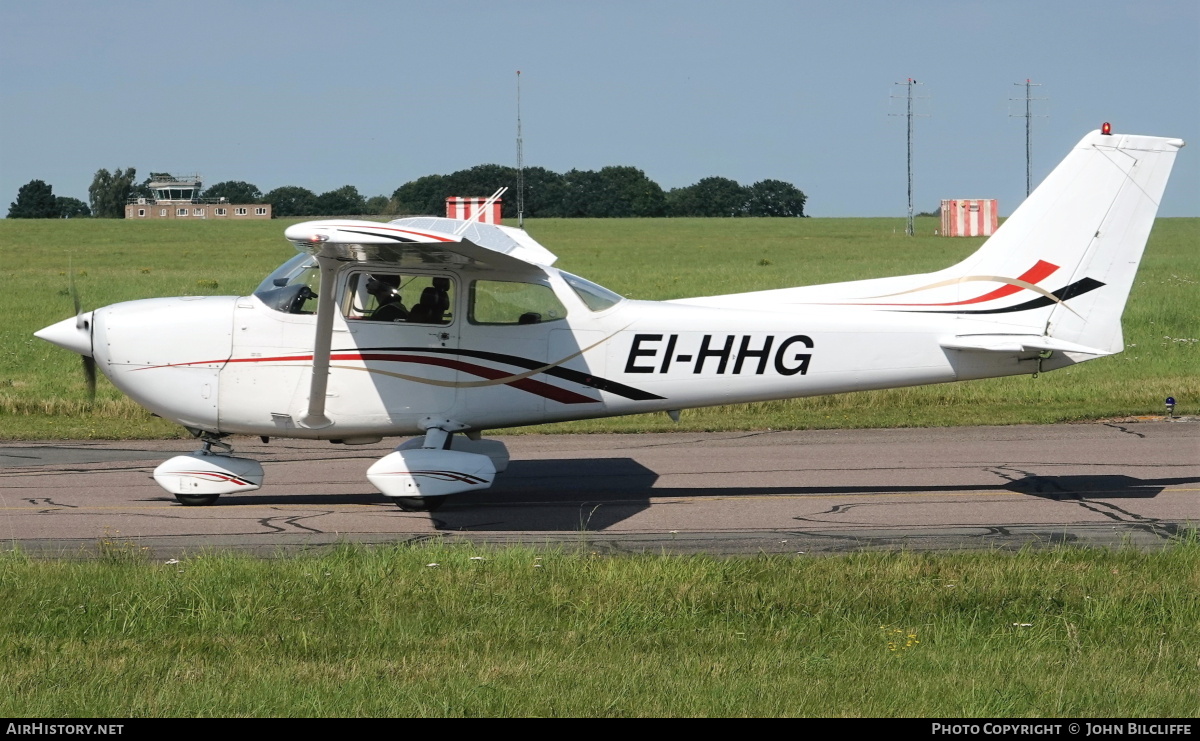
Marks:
<point>236,365</point>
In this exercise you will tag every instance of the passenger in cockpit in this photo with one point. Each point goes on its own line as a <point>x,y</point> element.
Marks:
<point>385,290</point>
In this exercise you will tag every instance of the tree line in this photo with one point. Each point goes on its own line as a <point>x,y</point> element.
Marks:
<point>611,192</point>
<point>36,200</point>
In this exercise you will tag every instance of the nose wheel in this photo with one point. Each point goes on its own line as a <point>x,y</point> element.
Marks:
<point>419,504</point>
<point>197,500</point>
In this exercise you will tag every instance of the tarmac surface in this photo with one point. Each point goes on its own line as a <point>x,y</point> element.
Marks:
<point>1132,484</point>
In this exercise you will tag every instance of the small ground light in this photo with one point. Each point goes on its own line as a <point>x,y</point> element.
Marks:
<point>1170,406</point>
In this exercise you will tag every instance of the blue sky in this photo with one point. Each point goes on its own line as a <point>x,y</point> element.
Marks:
<point>373,94</point>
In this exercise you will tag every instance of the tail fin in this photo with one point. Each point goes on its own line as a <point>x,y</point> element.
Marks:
<point>1069,253</point>
<point>1060,268</point>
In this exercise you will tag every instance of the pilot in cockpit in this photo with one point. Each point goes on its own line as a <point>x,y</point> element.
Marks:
<point>385,289</point>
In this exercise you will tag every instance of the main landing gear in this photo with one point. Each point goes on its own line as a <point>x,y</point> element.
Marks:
<point>422,472</point>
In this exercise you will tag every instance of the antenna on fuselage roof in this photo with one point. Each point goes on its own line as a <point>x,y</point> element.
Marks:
<point>478,213</point>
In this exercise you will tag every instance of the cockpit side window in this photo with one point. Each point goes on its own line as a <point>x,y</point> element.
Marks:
<point>378,296</point>
<point>510,302</point>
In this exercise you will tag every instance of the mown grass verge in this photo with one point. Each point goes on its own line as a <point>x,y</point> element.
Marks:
<point>458,630</point>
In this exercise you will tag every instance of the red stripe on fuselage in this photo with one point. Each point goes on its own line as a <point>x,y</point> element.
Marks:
<point>1039,271</point>
<point>546,390</point>
<point>554,393</point>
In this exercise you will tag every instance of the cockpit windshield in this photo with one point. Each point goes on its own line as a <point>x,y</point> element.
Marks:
<point>292,287</point>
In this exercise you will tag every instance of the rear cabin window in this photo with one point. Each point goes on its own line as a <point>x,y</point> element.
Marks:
<point>396,297</point>
<point>595,297</point>
<point>507,302</point>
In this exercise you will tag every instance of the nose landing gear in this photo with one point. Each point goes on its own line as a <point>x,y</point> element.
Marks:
<point>201,477</point>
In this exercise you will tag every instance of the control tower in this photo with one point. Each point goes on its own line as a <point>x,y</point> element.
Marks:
<point>179,198</point>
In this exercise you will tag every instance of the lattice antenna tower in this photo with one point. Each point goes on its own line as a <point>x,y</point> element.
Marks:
<point>520,161</point>
<point>1028,116</point>
<point>910,83</point>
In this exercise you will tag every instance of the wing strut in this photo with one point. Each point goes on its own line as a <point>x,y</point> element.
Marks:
<point>322,342</point>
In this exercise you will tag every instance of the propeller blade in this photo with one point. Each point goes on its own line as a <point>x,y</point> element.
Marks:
<point>89,372</point>
<point>75,300</point>
<point>89,363</point>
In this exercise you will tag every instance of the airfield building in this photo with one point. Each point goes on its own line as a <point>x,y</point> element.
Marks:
<point>179,198</point>
<point>484,210</point>
<point>969,217</point>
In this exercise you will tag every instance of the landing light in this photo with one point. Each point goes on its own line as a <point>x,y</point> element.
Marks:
<point>1106,129</point>
<point>325,237</point>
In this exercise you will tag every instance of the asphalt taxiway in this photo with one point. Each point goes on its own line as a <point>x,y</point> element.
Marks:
<point>1113,484</point>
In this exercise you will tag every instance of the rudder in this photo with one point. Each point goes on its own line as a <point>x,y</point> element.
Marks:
<point>1079,237</point>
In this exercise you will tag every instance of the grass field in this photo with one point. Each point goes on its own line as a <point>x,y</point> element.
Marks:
<point>441,630</point>
<point>42,392</point>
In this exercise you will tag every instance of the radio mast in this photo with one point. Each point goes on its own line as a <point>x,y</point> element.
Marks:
<point>1028,116</point>
<point>520,161</point>
<point>910,84</point>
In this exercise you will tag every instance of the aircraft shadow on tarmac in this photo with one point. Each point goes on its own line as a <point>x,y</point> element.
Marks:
<point>1066,488</point>
<point>591,494</point>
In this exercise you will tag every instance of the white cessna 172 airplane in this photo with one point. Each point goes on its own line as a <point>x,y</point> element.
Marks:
<point>442,329</point>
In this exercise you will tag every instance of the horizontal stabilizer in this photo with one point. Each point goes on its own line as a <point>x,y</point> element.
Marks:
<point>1015,343</point>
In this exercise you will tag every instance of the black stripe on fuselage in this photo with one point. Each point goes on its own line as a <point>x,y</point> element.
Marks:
<point>1078,288</point>
<point>566,374</point>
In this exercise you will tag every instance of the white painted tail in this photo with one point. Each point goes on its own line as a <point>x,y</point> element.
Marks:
<point>1073,247</point>
<point>1060,267</point>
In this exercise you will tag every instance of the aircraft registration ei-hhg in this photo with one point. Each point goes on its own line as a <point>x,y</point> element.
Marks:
<point>442,329</point>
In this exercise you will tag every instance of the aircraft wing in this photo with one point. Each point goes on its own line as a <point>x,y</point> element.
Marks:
<point>424,241</point>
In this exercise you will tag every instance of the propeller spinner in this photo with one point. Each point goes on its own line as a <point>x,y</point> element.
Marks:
<point>75,334</point>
